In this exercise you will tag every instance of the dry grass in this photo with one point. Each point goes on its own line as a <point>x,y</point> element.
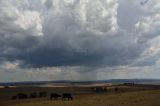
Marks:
<point>137,98</point>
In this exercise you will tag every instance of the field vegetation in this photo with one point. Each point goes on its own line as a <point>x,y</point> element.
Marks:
<point>86,96</point>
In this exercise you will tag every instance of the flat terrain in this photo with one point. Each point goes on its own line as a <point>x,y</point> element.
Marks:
<point>139,95</point>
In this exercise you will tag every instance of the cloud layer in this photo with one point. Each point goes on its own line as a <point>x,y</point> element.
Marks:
<point>89,38</point>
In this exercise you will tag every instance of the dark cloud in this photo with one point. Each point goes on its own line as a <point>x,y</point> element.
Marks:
<point>60,52</point>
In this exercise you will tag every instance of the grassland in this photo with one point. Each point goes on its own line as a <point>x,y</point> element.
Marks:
<point>128,96</point>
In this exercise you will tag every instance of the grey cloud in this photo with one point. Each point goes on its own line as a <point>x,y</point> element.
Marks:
<point>72,36</point>
<point>144,2</point>
<point>129,13</point>
<point>69,39</point>
<point>49,3</point>
<point>78,33</point>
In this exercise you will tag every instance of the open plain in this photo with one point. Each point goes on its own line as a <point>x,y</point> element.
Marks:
<point>109,95</point>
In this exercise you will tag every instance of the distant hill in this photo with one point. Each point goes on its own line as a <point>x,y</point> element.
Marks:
<point>110,81</point>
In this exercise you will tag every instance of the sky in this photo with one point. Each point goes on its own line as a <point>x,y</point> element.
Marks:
<point>44,40</point>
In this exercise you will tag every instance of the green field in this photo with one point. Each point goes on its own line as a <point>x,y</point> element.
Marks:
<point>127,96</point>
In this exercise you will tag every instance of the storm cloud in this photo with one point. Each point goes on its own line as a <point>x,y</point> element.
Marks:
<point>78,35</point>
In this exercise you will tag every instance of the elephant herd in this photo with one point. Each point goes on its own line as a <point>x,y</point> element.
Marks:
<point>55,96</point>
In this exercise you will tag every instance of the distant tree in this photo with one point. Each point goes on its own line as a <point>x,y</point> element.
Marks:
<point>6,86</point>
<point>100,89</point>
<point>105,89</point>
